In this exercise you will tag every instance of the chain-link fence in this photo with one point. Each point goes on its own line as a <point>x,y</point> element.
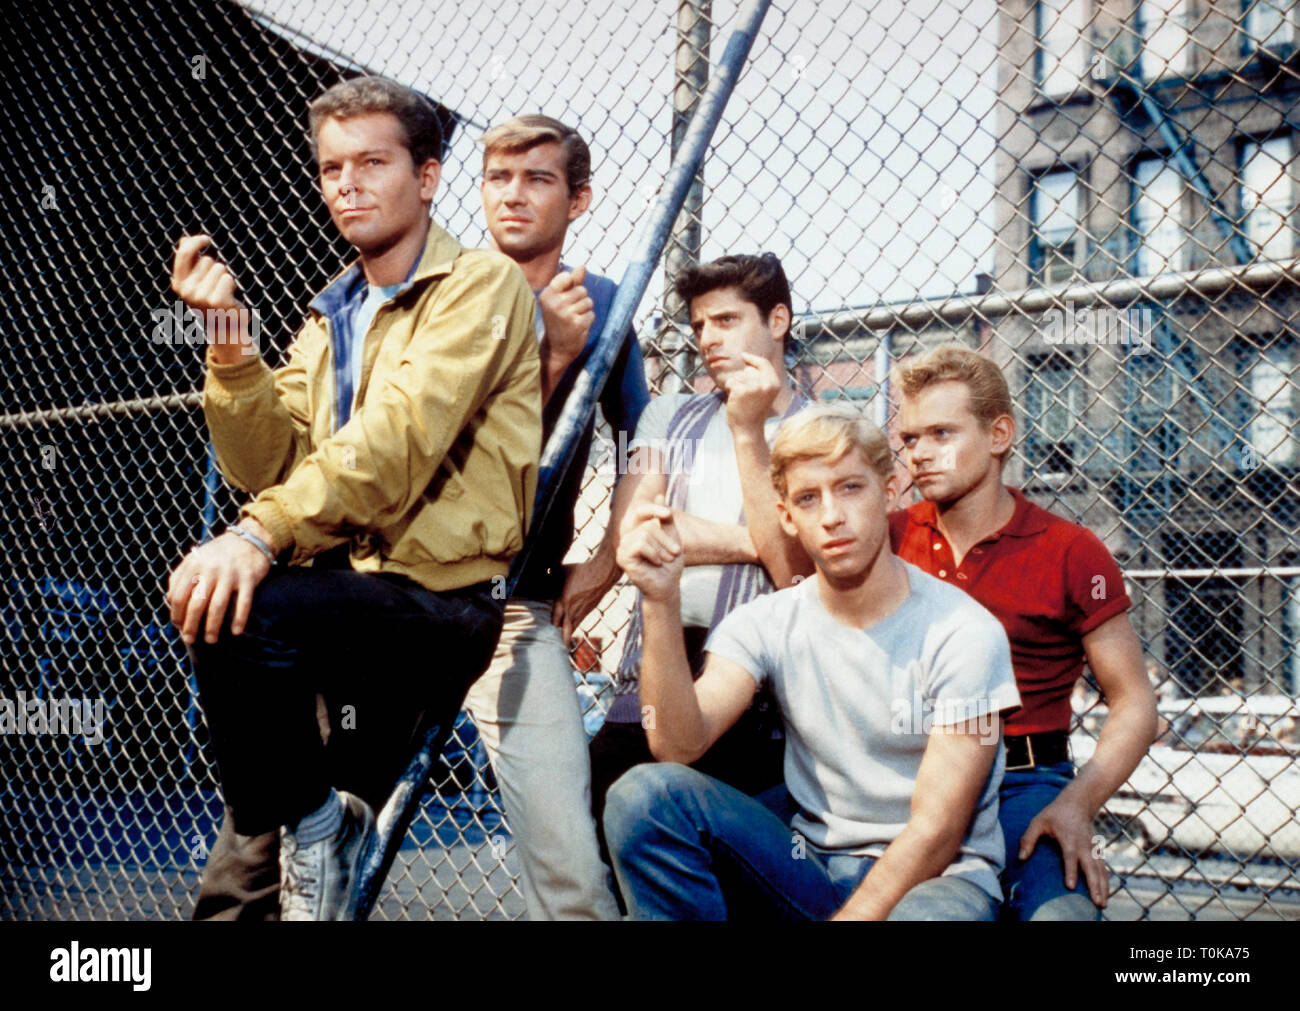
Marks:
<point>1101,195</point>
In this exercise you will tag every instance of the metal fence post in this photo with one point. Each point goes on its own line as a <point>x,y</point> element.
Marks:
<point>690,77</point>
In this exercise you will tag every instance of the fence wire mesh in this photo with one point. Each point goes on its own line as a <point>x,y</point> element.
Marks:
<point>1100,195</point>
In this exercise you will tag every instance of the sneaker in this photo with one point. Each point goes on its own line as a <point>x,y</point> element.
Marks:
<point>317,880</point>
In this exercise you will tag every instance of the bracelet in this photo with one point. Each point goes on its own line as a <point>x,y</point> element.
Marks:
<point>254,540</point>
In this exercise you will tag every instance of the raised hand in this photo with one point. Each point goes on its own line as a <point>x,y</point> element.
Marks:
<point>207,286</point>
<point>567,312</point>
<point>650,550</point>
<point>751,392</point>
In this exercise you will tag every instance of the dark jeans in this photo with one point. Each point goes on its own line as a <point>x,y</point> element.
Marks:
<point>747,756</point>
<point>383,652</point>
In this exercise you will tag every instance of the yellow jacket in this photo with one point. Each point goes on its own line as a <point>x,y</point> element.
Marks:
<point>433,475</point>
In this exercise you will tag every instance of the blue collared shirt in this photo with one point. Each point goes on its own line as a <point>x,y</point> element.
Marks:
<point>622,400</point>
<point>350,304</point>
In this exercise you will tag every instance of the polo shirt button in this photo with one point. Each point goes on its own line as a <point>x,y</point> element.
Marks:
<point>961,575</point>
<point>937,546</point>
<point>943,573</point>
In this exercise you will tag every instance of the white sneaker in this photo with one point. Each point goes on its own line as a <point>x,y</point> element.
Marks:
<point>317,880</point>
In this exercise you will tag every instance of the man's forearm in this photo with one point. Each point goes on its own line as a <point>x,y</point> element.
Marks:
<point>604,563</point>
<point>706,542</point>
<point>673,722</point>
<point>553,367</point>
<point>917,854</point>
<point>780,554</point>
<point>1125,737</point>
<point>953,771</point>
<point>253,430</point>
<point>227,348</point>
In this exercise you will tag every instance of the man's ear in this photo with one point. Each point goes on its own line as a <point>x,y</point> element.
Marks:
<point>786,520</point>
<point>893,485</point>
<point>579,202</point>
<point>778,321</point>
<point>1003,434</point>
<point>430,174</point>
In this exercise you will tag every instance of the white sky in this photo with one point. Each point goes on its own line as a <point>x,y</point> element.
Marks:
<point>858,145</point>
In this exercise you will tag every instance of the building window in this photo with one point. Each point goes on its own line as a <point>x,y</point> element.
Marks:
<point>1203,633</point>
<point>1155,436</point>
<point>1274,406</point>
<point>1056,240</point>
<point>1268,196</point>
<point>1159,237</point>
<point>1055,402</point>
<point>1061,59</point>
<point>1268,23</point>
<point>1166,39</point>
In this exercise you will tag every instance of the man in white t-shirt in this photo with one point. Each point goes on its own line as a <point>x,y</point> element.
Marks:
<point>890,684</point>
<point>707,455</point>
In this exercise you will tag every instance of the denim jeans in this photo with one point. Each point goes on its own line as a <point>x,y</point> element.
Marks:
<point>382,650</point>
<point>747,756</point>
<point>689,847</point>
<point>1035,889</point>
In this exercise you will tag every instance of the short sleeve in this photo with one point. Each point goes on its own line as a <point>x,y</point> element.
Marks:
<point>653,424</point>
<point>1094,585</point>
<point>970,674</point>
<point>739,638</point>
<point>626,395</point>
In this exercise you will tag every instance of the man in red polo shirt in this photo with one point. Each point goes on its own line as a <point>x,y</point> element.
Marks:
<point>1059,595</point>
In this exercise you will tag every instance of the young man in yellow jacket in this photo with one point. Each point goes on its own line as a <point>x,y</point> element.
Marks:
<point>406,424</point>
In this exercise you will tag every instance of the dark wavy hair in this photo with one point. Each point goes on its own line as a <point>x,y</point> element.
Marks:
<point>761,278</point>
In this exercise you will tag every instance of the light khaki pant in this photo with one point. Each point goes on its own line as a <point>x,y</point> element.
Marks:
<point>528,715</point>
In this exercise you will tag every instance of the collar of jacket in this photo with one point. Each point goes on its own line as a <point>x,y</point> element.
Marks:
<point>440,252</point>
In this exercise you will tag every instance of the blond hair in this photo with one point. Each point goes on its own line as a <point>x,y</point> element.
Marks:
<point>989,396</point>
<point>524,132</point>
<point>832,431</point>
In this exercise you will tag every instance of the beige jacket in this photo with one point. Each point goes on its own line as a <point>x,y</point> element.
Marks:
<point>433,475</point>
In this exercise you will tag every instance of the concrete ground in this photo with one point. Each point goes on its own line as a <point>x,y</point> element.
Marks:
<point>474,882</point>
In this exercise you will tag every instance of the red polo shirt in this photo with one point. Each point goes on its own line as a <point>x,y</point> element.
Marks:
<point>1049,582</point>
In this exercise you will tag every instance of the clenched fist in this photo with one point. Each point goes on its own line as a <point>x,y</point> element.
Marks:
<point>207,286</point>
<point>650,550</point>
<point>567,313</point>
<point>751,393</point>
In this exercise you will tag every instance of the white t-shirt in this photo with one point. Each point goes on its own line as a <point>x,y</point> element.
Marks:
<point>857,705</point>
<point>712,493</point>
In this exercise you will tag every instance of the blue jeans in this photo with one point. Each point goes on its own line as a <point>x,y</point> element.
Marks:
<point>1035,889</point>
<point>689,847</point>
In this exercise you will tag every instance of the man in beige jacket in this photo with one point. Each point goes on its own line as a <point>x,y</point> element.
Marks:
<point>405,424</point>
